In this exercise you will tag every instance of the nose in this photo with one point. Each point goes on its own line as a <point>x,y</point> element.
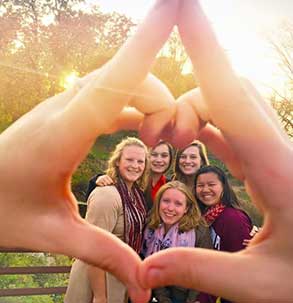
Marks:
<point>205,188</point>
<point>158,158</point>
<point>134,164</point>
<point>170,206</point>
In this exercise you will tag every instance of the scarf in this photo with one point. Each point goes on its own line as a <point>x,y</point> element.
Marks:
<point>134,214</point>
<point>213,213</point>
<point>155,240</point>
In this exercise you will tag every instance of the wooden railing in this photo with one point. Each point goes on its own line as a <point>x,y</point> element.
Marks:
<point>13,270</point>
<point>31,270</point>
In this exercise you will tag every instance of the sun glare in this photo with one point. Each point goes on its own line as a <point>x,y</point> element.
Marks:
<point>69,80</point>
<point>240,27</point>
<point>241,31</point>
<point>48,19</point>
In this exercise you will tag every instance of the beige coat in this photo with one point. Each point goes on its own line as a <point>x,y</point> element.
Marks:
<point>105,210</point>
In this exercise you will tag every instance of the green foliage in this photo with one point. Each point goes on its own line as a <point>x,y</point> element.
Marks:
<point>34,57</point>
<point>171,65</point>
<point>34,299</point>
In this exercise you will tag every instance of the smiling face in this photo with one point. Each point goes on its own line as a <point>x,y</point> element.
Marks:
<point>131,164</point>
<point>209,189</point>
<point>190,161</point>
<point>172,207</point>
<point>160,159</point>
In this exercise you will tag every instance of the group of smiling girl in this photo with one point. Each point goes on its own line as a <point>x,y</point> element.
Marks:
<point>194,207</point>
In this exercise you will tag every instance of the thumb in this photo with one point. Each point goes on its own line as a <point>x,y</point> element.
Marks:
<point>235,276</point>
<point>102,249</point>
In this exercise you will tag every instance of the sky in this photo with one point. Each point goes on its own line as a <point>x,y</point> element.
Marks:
<point>240,25</point>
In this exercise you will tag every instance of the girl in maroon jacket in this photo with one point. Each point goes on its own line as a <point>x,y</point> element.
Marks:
<point>229,224</point>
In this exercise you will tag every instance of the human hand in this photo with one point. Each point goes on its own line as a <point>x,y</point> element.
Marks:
<point>39,153</point>
<point>245,133</point>
<point>252,233</point>
<point>104,180</point>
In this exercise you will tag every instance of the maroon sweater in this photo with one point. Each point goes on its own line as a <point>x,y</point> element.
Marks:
<point>228,232</point>
<point>230,229</point>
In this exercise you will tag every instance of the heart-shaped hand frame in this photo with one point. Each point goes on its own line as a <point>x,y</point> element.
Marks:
<point>40,152</point>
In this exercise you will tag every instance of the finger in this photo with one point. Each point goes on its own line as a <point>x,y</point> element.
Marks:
<point>129,118</point>
<point>125,269</point>
<point>245,242</point>
<point>154,109</point>
<point>98,103</point>
<point>151,96</point>
<point>265,105</point>
<point>142,48</point>
<point>155,125</point>
<point>155,100</point>
<point>191,118</point>
<point>187,124</point>
<point>104,180</point>
<point>108,180</point>
<point>90,244</point>
<point>49,222</point>
<point>231,106</point>
<point>213,138</point>
<point>236,110</point>
<point>203,270</point>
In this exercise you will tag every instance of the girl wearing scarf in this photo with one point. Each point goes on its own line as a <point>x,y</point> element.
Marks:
<point>175,221</point>
<point>229,224</point>
<point>119,209</point>
<point>160,156</point>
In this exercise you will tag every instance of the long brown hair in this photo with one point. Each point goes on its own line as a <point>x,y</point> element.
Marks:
<point>178,175</point>
<point>170,151</point>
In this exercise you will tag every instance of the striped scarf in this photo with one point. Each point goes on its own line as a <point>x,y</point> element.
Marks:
<point>213,212</point>
<point>134,214</point>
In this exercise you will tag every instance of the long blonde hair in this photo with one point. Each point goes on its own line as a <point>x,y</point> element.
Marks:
<point>190,220</point>
<point>113,171</point>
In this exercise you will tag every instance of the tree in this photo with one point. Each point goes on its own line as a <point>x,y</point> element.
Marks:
<point>171,66</point>
<point>36,56</point>
<point>282,98</point>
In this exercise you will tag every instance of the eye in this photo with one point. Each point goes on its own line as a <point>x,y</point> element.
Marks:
<point>178,203</point>
<point>154,154</point>
<point>193,157</point>
<point>212,184</point>
<point>183,157</point>
<point>165,155</point>
<point>140,161</point>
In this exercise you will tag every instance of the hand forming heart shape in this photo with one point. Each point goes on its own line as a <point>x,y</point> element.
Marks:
<point>39,211</point>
